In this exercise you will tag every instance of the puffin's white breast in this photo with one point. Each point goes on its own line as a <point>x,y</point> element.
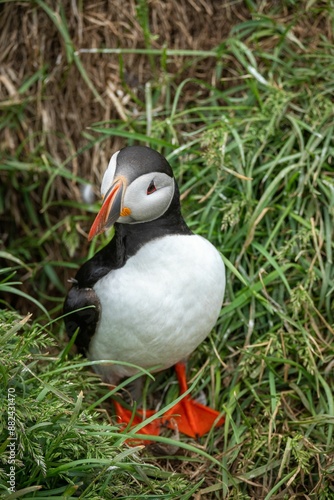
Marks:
<point>157,308</point>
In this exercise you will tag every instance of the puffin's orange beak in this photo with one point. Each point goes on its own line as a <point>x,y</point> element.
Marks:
<point>111,208</point>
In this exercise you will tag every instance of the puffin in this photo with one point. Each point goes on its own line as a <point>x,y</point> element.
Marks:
<point>152,294</point>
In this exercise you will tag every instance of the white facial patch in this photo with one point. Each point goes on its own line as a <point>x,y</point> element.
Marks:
<point>109,174</point>
<point>146,207</point>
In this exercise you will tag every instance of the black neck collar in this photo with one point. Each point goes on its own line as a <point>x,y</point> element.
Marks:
<point>128,239</point>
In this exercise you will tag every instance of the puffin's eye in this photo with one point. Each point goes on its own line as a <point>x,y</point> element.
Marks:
<point>151,188</point>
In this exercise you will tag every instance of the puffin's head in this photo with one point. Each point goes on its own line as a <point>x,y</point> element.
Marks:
<point>138,186</point>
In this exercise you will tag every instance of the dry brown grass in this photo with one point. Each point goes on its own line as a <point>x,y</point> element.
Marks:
<point>62,106</point>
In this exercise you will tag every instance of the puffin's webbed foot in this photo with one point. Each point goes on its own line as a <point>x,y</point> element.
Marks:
<point>192,418</point>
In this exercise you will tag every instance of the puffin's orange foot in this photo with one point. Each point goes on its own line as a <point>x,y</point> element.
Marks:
<point>127,417</point>
<point>192,418</point>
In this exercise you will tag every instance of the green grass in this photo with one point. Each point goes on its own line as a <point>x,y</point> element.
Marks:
<point>64,448</point>
<point>255,164</point>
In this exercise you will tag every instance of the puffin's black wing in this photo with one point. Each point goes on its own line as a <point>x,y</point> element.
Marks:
<point>82,295</point>
<point>85,319</point>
